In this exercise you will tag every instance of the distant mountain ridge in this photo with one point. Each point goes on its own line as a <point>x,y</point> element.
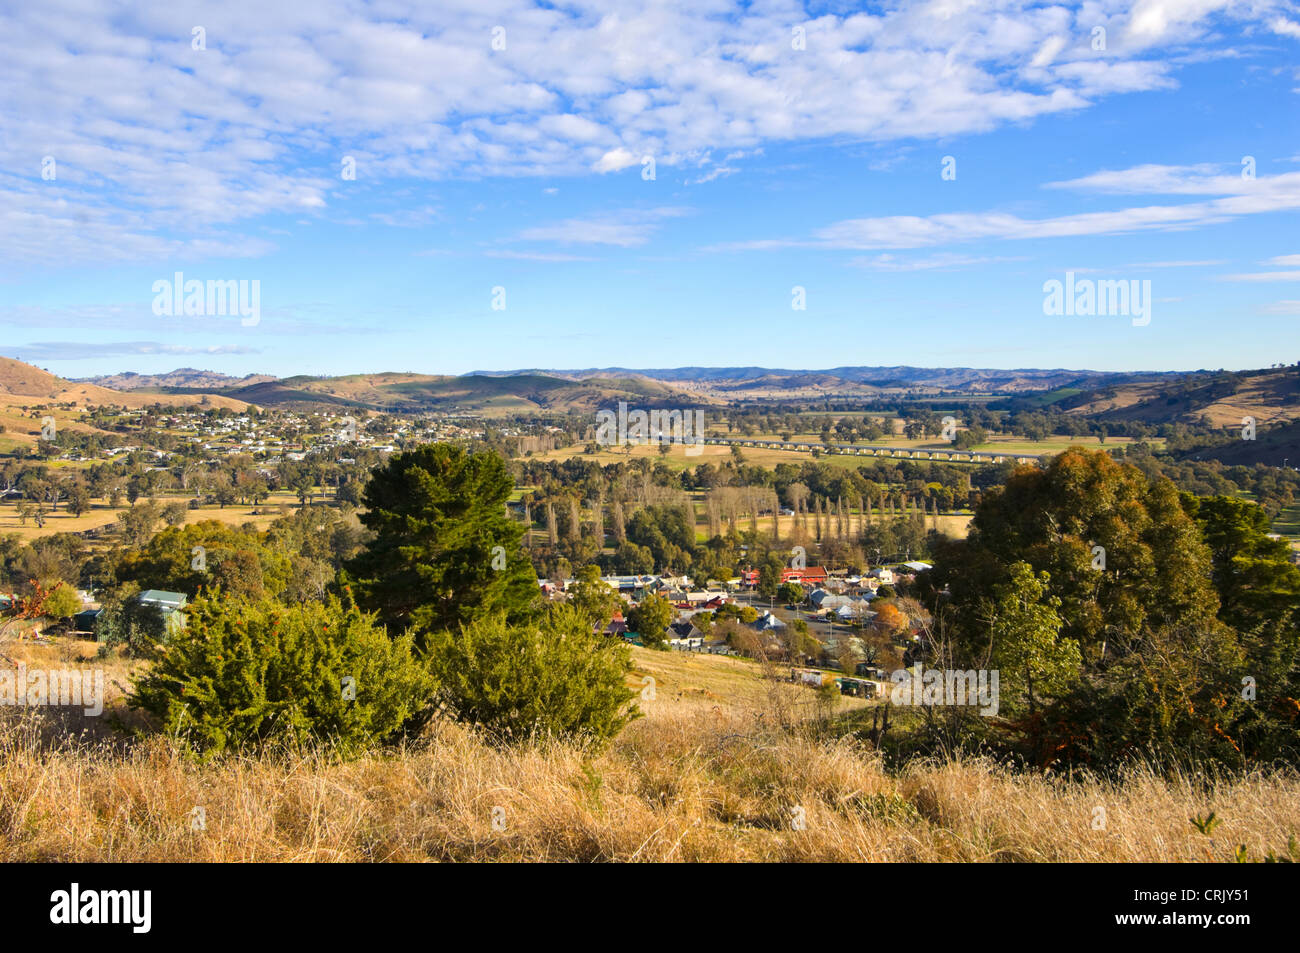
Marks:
<point>885,377</point>
<point>183,378</point>
<point>1270,395</point>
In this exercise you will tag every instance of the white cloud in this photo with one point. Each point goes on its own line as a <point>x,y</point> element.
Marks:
<point>1154,179</point>
<point>1153,19</point>
<point>1237,198</point>
<point>624,229</point>
<point>537,256</point>
<point>1280,261</point>
<point>1282,307</point>
<point>615,160</point>
<point>40,351</point>
<point>1177,264</point>
<point>1284,27</point>
<point>894,263</point>
<point>717,172</point>
<point>1048,51</point>
<point>1264,276</point>
<point>157,143</point>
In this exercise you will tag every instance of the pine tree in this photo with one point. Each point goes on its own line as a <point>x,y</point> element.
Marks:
<point>439,534</point>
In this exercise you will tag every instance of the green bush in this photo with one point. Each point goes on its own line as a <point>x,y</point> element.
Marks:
<point>61,602</point>
<point>126,622</point>
<point>242,674</point>
<point>553,679</point>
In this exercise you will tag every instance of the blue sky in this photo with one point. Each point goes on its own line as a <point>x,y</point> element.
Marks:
<point>522,168</point>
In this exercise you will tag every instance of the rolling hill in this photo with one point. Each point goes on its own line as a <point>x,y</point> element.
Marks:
<point>181,379</point>
<point>851,380</point>
<point>1220,398</point>
<point>24,386</point>
<point>483,394</point>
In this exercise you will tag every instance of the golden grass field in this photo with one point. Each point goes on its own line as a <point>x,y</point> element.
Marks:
<point>101,514</point>
<point>707,775</point>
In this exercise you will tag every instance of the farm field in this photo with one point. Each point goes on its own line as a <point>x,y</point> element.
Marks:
<point>736,683</point>
<point>1288,522</point>
<point>101,514</point>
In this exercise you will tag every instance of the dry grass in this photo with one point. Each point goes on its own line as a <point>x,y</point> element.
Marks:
<point>706,776</point>
<point>101,514</point>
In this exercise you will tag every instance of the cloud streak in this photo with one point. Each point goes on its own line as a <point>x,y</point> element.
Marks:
<point>1245,197</point>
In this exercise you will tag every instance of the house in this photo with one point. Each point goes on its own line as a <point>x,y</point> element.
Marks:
<point>84,621</point>
<point>169,604</point>
<point>684,637</point>
<point>808,576</point>
<point>704,598</point>
<point>825,599</point>
<point>885,576</point>
<point>633,584</point>
<point>767,622</point>
<point>854,613</point>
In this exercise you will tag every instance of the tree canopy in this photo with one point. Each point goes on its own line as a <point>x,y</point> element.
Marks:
<point>444,551</point>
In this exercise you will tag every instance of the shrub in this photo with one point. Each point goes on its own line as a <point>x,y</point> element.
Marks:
<point>61,602</point>
<point>649,619</point>
<point>555,678</point>
<point>241,674</point>
<point>126,622</point>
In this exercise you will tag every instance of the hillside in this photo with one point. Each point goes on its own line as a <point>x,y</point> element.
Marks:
<point>1274,444</point>
<point>850,380</point>
<point>19,380</point>
<point>523,393</point>
<point>183,378</point>
<point>23,380</point>
<point>25,386</point>
<point>711,773</point>
<point>1220,398</point>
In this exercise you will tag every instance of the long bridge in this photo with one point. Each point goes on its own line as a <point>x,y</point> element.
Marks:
<point>907,453</point>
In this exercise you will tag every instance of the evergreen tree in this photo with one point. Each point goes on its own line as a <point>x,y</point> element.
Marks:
<point>649,619</point>
<point>443,551</point>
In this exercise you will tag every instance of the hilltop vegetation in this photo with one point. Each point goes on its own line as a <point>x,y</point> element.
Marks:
<point>706,775</point>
